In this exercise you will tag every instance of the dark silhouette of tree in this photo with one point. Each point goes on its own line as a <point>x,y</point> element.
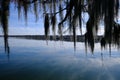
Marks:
<point>70,12</point>
<point>4,13</point>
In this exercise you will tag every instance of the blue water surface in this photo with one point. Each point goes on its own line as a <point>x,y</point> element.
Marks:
<point>35,60</point>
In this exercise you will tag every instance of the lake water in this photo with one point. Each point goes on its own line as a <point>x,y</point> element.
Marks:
<point>34,60</point>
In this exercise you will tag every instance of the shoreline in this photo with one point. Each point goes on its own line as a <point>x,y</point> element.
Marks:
<point>68,38</point>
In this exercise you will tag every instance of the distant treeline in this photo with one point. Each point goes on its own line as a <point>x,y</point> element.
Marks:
<point>55,38</point>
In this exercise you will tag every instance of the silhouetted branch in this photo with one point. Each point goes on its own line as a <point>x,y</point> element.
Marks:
<point>56,12</point>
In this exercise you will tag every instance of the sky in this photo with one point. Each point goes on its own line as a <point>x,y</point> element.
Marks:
<point>19,26</point>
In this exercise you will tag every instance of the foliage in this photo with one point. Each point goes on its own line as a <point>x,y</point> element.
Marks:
<point>70,11</point>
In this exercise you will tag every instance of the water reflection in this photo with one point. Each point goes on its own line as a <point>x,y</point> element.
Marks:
<point>61,43</point>
<point>34,60</point>
<point>51,38</point>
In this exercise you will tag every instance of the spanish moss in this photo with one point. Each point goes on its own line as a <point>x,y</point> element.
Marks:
<point>57,13</point>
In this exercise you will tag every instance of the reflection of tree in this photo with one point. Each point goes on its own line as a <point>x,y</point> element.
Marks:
<point>70,12</point>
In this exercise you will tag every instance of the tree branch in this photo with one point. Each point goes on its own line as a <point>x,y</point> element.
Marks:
<point>56,12</point>
<point>30,2</point>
